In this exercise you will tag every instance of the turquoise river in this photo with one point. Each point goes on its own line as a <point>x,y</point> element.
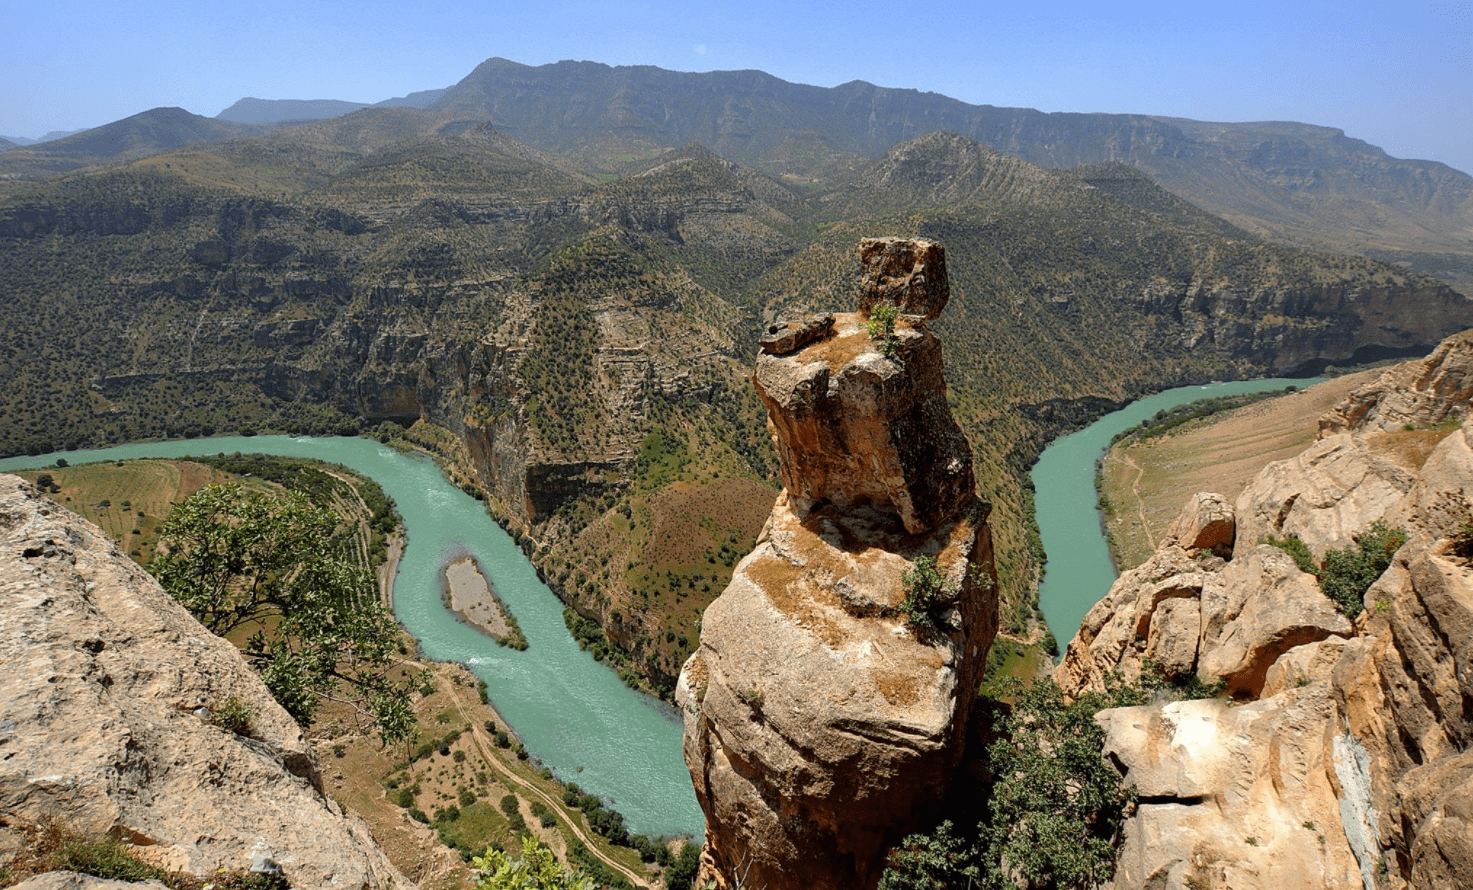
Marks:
<point>1079,570</point>
<point>573,713</point>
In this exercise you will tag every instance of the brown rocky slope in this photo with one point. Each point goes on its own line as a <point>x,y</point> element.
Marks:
<point>106,720</point>
<point>820,720</point>
<point>1346,762</point>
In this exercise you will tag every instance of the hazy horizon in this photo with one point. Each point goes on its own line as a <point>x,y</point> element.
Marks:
<point>1395,76</point>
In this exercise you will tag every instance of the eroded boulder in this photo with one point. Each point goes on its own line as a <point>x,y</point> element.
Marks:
<point>1241,797</point>
<point>105,718</point>
<point>907,273</point>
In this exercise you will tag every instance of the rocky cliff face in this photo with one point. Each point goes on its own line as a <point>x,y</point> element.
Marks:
<point>105,719</point>
<point>820,720</point>
<point>1346,764</point>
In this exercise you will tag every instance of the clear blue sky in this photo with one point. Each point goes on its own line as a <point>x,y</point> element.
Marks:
<point>1397,74</point>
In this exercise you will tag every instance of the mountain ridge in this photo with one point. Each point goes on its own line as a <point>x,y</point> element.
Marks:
<point>1306,185</point>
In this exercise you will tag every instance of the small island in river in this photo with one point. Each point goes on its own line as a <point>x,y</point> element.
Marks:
<point>468,594</point>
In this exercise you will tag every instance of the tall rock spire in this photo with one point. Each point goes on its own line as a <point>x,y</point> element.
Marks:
<point>825,708</point>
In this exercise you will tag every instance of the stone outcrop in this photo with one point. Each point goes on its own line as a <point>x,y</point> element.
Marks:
<point>821,722</point>
<point>905,273</point>
<point>1350,765</point>
<point>1207,522</point>
<point>1323,496</point>
<point>1236,797</point>
<point>105,719</point>
<point>1417,393</point>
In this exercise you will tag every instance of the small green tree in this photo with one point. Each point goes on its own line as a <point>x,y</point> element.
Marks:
<point>1057,804</point>
<point>925,594</point>
<point>881,328</point>
<point>278,564</point>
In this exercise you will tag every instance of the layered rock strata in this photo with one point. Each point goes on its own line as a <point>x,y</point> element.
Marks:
<point>105,719</point>
<point>1348,764</point>
<point>820,721</point>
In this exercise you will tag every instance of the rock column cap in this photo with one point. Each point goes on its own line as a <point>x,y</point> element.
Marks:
<point>907,273</point>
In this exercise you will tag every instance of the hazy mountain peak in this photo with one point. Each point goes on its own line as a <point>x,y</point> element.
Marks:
<point>251,110</point>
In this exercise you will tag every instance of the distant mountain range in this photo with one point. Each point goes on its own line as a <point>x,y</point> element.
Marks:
<point>1299,184</point>
<point>279,111</point>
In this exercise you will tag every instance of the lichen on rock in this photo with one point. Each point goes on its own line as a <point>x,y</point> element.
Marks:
<point>821,723</point>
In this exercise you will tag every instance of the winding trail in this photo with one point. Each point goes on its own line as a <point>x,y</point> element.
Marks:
<point>1140,502</point>
<point>490,754</point>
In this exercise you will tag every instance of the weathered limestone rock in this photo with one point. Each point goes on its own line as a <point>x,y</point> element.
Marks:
<point>856,428</point>
<point>1418,392</point>
<point>1241,797</point>
<point>1302,665</point>
<point>1117,633</point>
<point>1205,523</point>
<point>1389,783</point>
<point>1325,495</point>
<point>820,722</point>
<point>785,337</point>
<point>1256,609</point>
<point>105,718</point>
<point>909,274</point>
<point>1172,644</point>
<point>1438,799</point>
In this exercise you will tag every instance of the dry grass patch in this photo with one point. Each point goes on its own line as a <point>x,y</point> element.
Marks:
<point>1147,482</point>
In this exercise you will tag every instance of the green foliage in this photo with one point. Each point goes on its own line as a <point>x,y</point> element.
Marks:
<point>535,869</point>
<point>1296,548</point>
<point>930,860</point>
<point>248,560</point>
<point>1347,574</point>
<point>682,873</point>
<point>1057,804</point>
<point>233,715</point>
<point>1054,809</point>
<point>881,327</point>
<point>594,868</point>
<point>925,594</point>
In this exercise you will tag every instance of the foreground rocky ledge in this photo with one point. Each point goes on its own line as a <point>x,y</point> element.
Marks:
<point>105,719</point>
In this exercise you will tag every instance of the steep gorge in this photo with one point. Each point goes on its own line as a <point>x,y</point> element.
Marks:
<point>586,341</point>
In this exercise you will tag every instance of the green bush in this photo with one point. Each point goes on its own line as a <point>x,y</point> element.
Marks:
<point>1298,550</point>
<point>1054,810</point>
<point>1347,574</point>
<point>881,328</point>
<point>925,593</point>
<point>234,715</point>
